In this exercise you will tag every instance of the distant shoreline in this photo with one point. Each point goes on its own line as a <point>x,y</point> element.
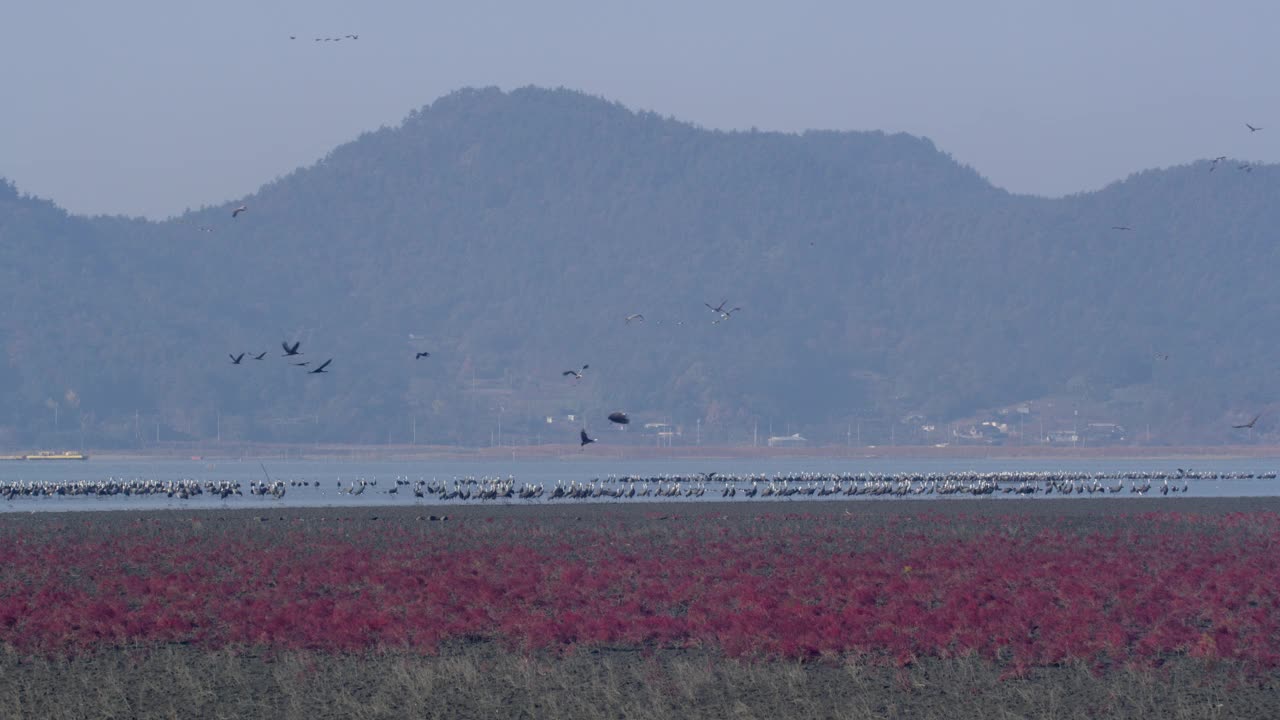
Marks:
<point>572,453</point>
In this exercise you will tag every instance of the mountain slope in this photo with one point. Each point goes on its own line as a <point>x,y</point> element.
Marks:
<point>513,232</point>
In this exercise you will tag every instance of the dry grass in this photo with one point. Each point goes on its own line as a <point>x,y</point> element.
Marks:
<point>482,681</point>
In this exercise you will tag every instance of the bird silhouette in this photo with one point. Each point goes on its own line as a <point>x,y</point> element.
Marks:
<point>320,369</point>
<point>304,363</point>
<point>1162,356</point>
<point>421,355</point>
<point>718,308</point>
<point>585,440</point>
<point>235,359</point>
<point>237,211</point>
<point>290,349</point>
<point>260,355</point>
<point>635,316</point>
<point>1121,227</point>
<point>1252,128</point>
<point>577,374</point>
<point>1248,424</point>
<point>619,417</point>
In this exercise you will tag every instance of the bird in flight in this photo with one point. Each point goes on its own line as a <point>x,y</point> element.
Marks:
<point>1162,356</point>
<point>290,349</point>
<point>301,364</point>
<point>320,369</point>
<point>1252,128</point>
<point>1121,227</point>
<point>1214,164</point>
<point>585,440</point>
<point>635,316</point>
<point>421,355</point>
<point>235,359</point>
<point>619,417</point>
<point>718,308</point>
<point>725,315</point>
<point>260,355</point>
<point>239,210</point>
<point>577,374</point>
<point>1248,424</point>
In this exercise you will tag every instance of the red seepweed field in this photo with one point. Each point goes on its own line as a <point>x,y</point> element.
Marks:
<point>899,590</point>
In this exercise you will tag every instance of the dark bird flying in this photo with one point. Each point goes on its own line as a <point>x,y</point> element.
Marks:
<point>421,355</point>
<point>619,417</point>
<point>301,364</point>
<point>237,211</point>
<point>260,355</point>
<point>1252,128</point>
<point>577,374</point>
<point>235,359</point>
<point>582,435</point>
<point>1121,227</point>
<point>320,369</point>
<point>1248,424</point>
<point>290,349</point>
<point>635,316</point>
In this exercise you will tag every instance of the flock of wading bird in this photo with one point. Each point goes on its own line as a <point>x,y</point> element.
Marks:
<point>668,486</point>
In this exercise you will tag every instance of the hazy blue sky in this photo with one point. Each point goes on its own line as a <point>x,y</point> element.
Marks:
<point>147,107</point>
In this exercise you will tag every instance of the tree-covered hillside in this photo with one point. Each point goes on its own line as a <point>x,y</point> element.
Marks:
<point>510,234</point>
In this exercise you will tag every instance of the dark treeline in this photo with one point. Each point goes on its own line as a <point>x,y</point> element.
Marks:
<point>510,234</point>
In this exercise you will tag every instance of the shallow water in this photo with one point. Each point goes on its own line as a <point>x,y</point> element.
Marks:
<point>335,475</point>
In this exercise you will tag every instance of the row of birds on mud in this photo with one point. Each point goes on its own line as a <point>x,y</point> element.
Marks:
<point>786,485</point>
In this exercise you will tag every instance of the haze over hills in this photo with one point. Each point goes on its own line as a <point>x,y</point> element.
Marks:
<point>510,233</point>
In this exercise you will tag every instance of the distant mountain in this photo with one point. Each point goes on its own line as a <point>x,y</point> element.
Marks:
<point>510,234</point>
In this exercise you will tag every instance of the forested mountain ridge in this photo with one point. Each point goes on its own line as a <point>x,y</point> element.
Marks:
<point>510,233</point>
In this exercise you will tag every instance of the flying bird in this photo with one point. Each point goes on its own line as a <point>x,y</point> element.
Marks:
<point>290,350</point>
<point>260,355</point>
<point>421,355</point>
<point>1121,227</point>
<point>320,369</point>
<point>301,364</point>
<point>1248,424</point>
<point>725,315</point>
<point>635,316</point>
<point>1214,163</point>
<point>582,435</point>
<point>577,374</point>
<point>619,417</point>
<point>718,308</point>
<point>235,359</point>
<point>1252,128</point>
<point>1162,356</point>
<point>239,210</point>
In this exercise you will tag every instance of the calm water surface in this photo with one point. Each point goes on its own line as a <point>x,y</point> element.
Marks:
<point>548,472</point>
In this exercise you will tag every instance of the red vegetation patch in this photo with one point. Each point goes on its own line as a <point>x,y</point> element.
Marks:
<point>1021,592</point>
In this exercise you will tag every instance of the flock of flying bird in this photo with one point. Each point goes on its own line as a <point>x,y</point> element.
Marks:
<point>721,311</point>
<point>289,351</point>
